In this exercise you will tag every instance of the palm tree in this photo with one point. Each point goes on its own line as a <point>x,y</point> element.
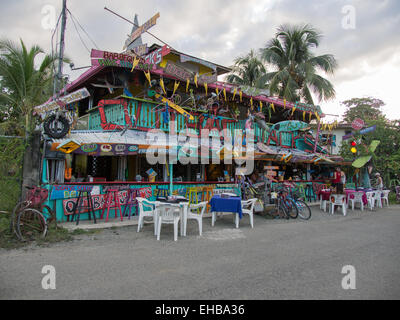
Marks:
<point>296,75</point>
<point>23,85</point>
<point>248,70</point>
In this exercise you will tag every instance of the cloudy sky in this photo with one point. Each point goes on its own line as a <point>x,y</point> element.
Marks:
<point>363,35</point>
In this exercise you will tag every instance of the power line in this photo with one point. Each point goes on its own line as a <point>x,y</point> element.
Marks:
<point>83,29</point>
<point>79,35</point>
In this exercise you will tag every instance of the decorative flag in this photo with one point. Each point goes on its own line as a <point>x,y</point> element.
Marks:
<point>162,85</point>
<point>261,106</point>
<point>234,93</point>
<point>195,79</point>
<point>293,110</point>
<point>240,95</point>
<point>187,85</point>
<point>206,87</point>
<point>304,116</point>
<point>224,94</point>
<point>135,63</point>
<point>310,115</point>
<point>147,74</point>
<point>176,85</point>
<point>216,90</point>
<point>251,103</point>
<point>316,114</point>
<point>284,103</point>
<point>273,107</point>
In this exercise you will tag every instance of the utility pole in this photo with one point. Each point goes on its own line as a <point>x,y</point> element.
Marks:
<point>58,78</point>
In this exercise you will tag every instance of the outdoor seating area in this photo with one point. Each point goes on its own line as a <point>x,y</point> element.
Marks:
<point>354,199</point>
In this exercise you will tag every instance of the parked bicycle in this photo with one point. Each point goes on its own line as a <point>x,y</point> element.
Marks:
<point>30,218</point>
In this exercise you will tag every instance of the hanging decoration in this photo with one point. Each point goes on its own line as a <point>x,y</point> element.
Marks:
<point>284,103</point>
<point>187,85</point>
<point>234,94</point>
<point>206,87</point>
<point>195,79</point>
<point>304,116</point>
<point>240,95</point>
<point>224,94</point>
<point>272,107</point>
<point>251,103</point>
<point>261,105</point>
<point>176,85</point>
<point>135,63</point>
<point>162,85</point>
<point>216,90</point>
<point>148,77</point>
<point>310,115</point>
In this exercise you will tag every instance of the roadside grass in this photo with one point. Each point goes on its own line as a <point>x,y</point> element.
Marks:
<point>392,198</point>
<point>8,239</point>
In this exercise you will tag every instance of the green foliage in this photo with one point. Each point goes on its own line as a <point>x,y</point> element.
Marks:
<point>297,68</point>
<point>248,70</point>
<point>11,159</point>
<point>363,108</point>
<point>23,85</point>
<point>386,158</point>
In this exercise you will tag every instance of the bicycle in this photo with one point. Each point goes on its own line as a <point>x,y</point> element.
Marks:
<point>29,218</point>
<point>304,211</point>
<point>287,201</point>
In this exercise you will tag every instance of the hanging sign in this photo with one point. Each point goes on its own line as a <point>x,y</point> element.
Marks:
<point>357,124</point>
<point>107,149</point>
<point>72,97</point>
<point>143,28</point>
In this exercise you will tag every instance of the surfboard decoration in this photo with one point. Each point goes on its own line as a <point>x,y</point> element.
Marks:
<point>290,125</point>
<point>171,104</point>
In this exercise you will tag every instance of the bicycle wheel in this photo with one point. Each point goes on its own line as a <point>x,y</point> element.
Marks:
<point>14,215</point>
<point>291,208</point>
<point>30,225</point>
<point>282,209</point>
<point>304,210</point>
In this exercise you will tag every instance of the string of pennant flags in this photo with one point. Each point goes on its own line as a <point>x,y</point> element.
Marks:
<point>237,91</point>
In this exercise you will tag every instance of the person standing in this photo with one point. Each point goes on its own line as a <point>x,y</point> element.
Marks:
<point>337,181</point>
<point>379,181</point>
<point>342,178</point>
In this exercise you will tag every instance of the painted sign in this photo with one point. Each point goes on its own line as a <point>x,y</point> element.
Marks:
<point>113,59</point>
<point>357,124</point>
<point>155,57</point>
<point>69,146</point>
<point>107,149</point>
<point>204,78</point>
<point>70,98</point>
<point>99,200</point>
<point>185,58</point>
<point>143,28</point>
<point>178,71</point>
<point>68,191</point>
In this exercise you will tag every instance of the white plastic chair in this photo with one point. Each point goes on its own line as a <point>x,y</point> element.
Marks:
<point>378,199</point>
<point>357,198</point>
<point>338,200</point>
<point>193,213</point>
<point>143,204</point>
<point>247,208</point>
<point>385,198</point>
<point>370,199</point>
<point>168,214</point>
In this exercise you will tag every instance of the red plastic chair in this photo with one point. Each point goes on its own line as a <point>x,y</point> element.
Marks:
<point>108,203</point>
